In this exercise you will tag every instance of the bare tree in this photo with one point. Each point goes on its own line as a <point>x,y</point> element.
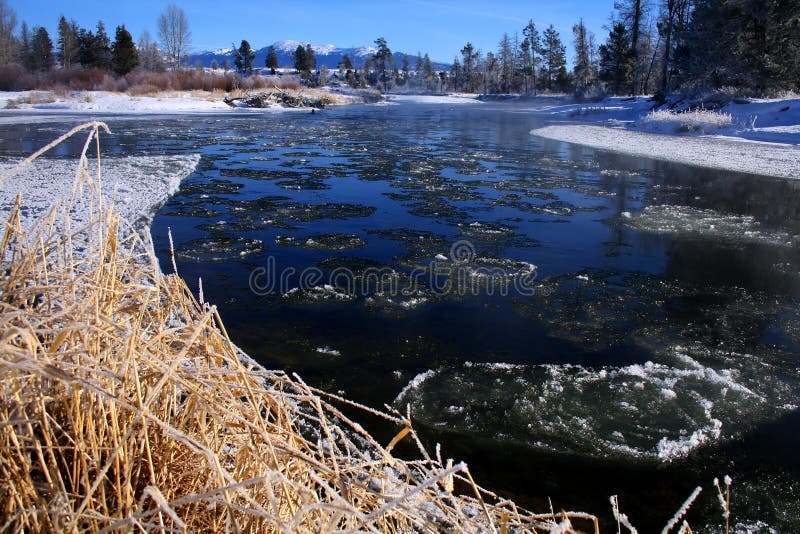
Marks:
<point>8,44</point>
<point>173,30</point>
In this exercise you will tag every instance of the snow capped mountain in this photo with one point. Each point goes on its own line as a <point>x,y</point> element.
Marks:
<point>328,55</point>
<point>364,51</point>
<point>290,46</point>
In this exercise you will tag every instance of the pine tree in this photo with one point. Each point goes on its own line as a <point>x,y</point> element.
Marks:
<point>300,60</point>
<point>384,61</point>
<point>505,57</point>
<point>489,73</point>
<point>535,45</point>
<point>25,56</point>
<point>633,14</point>
<point>86,48</point>
<point>102,47</point>
<point>243,57</point>
<point>68,43</point>
<point>616,69</point>
<point>311,58</point>
<point>95,49</point>
<point>554,59</point>
<point>456,75</point>
<point>41,50</point>
<point>471,58</point>
<point>271,62</point>
<point>525,66</point>
<point>124,56</point>
<point>585,71</point>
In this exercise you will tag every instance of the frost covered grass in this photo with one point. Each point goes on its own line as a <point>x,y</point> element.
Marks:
<point>699,120</point>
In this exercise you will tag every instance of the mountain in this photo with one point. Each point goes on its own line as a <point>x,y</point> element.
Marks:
<point>328,55</point>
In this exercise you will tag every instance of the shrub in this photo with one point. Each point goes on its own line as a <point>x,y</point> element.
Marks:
<point>699,120</point>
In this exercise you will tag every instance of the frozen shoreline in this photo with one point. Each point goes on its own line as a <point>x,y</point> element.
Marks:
<point>138,186</point>
<point>40,106</point>
<point>780,161</point>
<point>759,137</point>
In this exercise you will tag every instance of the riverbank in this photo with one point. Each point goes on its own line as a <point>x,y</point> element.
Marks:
<point>749,136</point>
<point>31,103</point>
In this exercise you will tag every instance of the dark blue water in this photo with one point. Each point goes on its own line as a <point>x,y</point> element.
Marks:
<point>573,323</point>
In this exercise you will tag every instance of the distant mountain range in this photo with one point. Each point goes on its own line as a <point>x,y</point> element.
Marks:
<point>328,55</point>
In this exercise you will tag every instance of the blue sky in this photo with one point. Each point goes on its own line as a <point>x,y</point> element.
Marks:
<point>439,28</point>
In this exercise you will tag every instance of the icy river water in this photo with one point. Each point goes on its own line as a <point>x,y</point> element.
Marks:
<point>572,323</point>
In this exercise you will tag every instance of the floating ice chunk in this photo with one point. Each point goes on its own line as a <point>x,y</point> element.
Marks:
<point>329,351</point>
<point>661,410</point>
<point>686,221</point>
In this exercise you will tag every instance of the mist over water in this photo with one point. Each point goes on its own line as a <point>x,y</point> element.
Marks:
<point>590,312</point>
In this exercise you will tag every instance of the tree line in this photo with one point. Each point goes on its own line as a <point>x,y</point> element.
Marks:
<point>652,47</point>
<point>81,47</point>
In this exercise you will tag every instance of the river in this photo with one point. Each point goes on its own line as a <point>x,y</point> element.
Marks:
<point>572,323</point>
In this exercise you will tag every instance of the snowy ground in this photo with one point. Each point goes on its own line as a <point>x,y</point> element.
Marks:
<point>31,106</point>
<point>763,136</point>
<point>107,102</point>
<point>451,98</point>
<point>782,161</point>
<point>138,187</point>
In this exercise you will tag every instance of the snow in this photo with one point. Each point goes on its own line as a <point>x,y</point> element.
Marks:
<point>759,136</point>
<point>290,45</point>
<point>121,104</point>
<point>108,102</point>
<point>137,186</point>
<point>711,152</point>
<point>453,98</point>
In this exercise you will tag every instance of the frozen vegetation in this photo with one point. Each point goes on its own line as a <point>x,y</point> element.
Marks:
<point>699,120</point>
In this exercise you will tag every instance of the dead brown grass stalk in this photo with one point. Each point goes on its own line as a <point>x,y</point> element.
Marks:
<point>125,407</point>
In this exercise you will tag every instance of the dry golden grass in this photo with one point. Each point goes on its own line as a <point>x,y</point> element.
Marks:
<point>125,407</point>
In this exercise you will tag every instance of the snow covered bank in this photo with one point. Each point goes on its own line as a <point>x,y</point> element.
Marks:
<point>107,102</point>
<point>138,186</point>
<point>27,104</point>
<point>757,136</point>
<point>453,98</point>
<point>782,161</point>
